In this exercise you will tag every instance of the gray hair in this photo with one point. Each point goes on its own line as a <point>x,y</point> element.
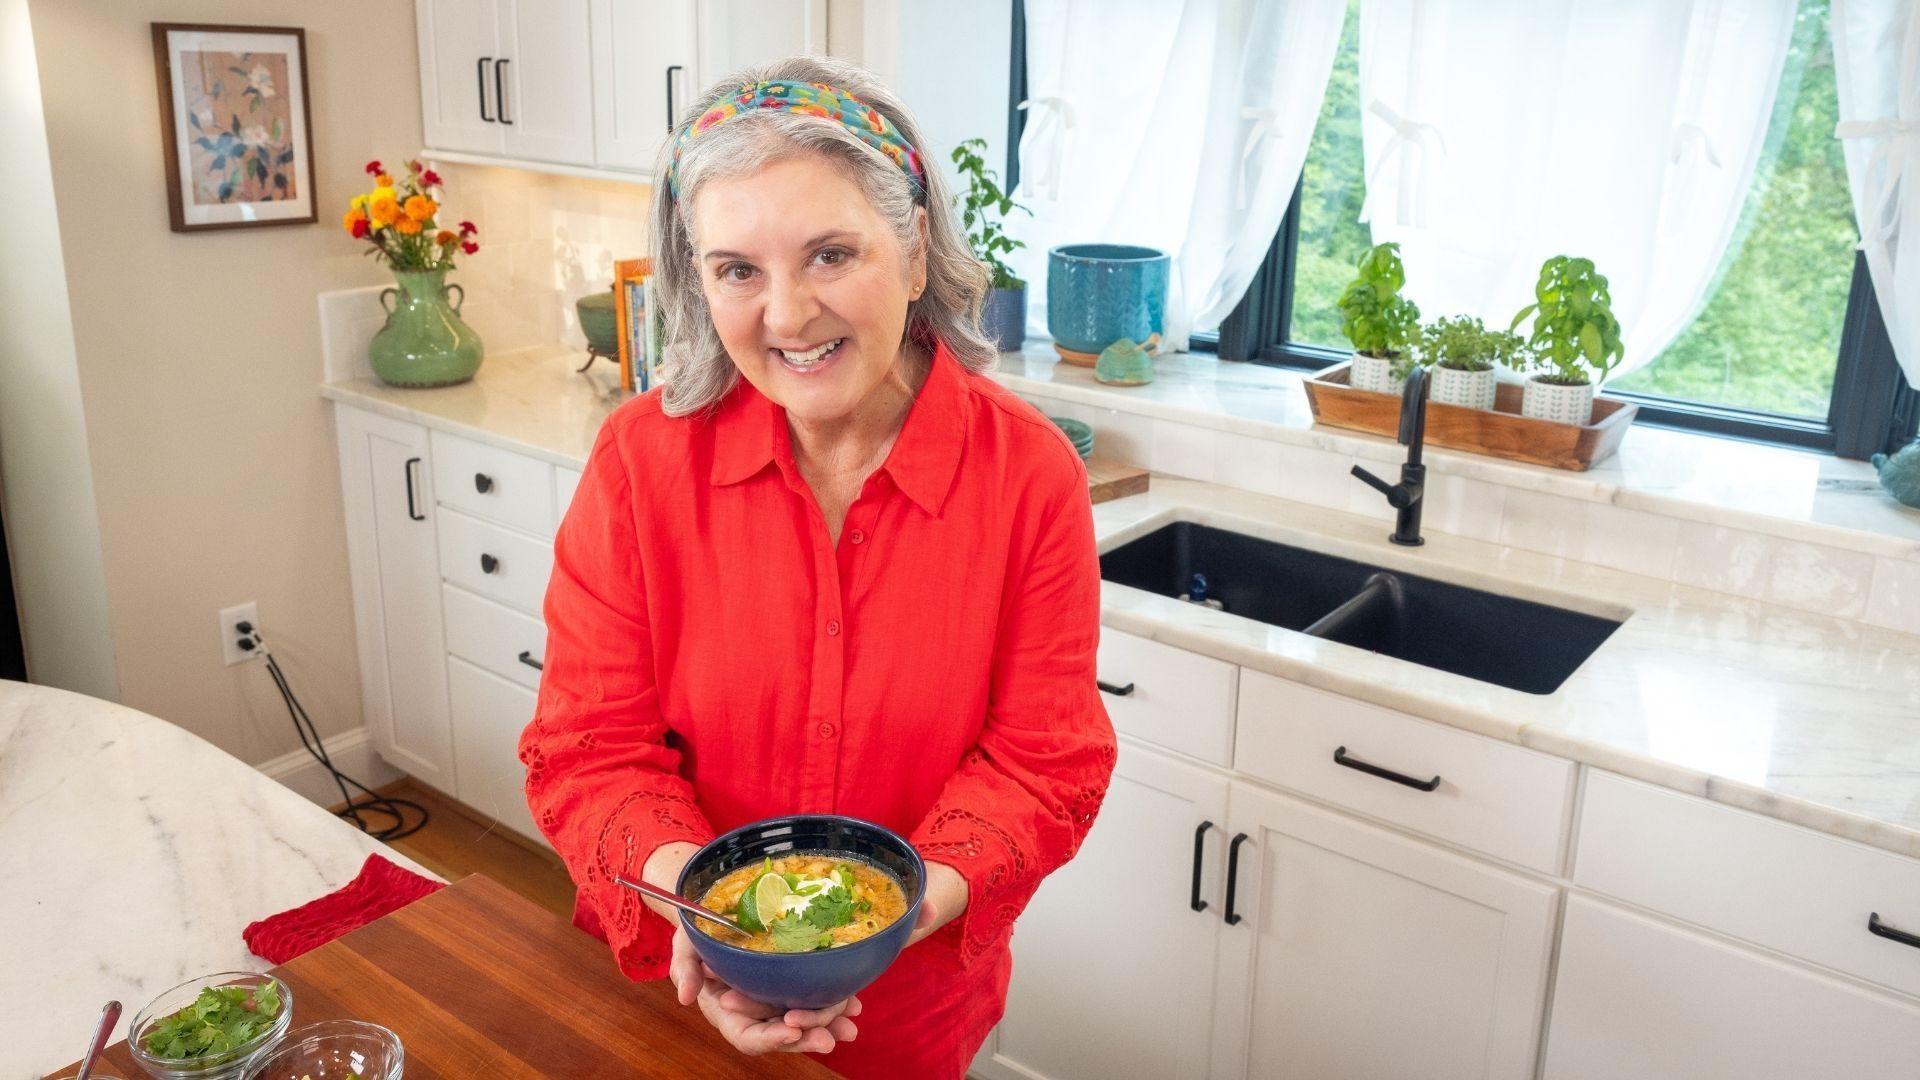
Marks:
<point>698,371</point>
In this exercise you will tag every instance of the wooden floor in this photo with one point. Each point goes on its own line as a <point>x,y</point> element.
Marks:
<point>457,841</point>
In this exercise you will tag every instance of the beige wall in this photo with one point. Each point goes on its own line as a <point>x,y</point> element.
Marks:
<point>212,453</point>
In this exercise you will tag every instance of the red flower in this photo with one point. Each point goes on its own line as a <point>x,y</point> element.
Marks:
<point>374,169</point>
<point>469,247</point>
<point>468,228</point>
<point>430,178</point>
<point>361,228</point>
<point>413,166</point>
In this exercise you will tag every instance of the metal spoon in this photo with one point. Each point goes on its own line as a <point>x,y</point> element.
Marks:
<point>688,906</point>
<point>109,1016</point>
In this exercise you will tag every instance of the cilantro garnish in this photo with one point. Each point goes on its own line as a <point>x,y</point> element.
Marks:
<point>221,1019</point>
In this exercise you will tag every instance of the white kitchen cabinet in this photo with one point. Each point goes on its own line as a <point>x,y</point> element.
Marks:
<point>459,44</point>
<point>491,713</point>
<point>386,481</point>
<point>507,78</point>
<point>1638,997</point>
<point>644,60</point>
<point>735,34</point>
<point>1113,969</point>
<point>1366,955</point>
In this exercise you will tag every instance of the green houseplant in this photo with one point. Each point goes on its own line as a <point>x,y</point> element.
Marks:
<point>1461,354</point>
<point>1575,340</point>
<point>983,211</point>
<point>1381,324</point>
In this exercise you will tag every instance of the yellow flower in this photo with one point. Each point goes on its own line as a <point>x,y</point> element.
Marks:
<point>406,226</point>
<point>383,209</point>
<point>420,208</point>
<point>359,202</point>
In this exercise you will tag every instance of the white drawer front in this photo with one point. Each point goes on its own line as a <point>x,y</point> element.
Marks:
<point>1779,885</point>
<point>492,483</point>
<point>497,638</point>
<point>564,483</point>
<point>1505,800</point>
<point>489,714</point>
<point>494,562</point>
<point>1180,700</point>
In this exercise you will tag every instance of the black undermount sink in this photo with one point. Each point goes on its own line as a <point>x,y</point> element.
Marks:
<point>1518,644</point>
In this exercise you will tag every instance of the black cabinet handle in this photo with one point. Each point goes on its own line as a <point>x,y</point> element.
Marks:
<point>1199,848</point>
<point>671,68</point>
<point>1880,929</point>
<point>488,564</point>
<point>1340,758</point>
<point>499,93</point>
<point>412,513</point>
<point>526,657</point>
<point>482,483</point>
<point>480,70</point>
<point>1116,691</point>
<point>1233,876</point>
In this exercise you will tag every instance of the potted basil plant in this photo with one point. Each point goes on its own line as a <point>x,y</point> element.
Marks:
<point>1381,323</point>
<point>1460,354</point>
<point>983,210</point>
<point>1574,344</point>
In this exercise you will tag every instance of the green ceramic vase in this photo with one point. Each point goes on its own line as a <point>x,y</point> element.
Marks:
<point>424,342</point>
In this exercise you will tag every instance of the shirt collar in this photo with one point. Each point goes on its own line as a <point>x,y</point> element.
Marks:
<point>750,431</point>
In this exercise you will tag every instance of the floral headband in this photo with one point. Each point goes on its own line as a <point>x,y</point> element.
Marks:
<point>811,99</point>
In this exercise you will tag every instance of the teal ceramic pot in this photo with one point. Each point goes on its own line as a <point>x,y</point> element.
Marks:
<point>598,323</point>
<point>1900,474</point>
<point>1004,319</point>
<point>424,342</point>
<point>1100,293</point>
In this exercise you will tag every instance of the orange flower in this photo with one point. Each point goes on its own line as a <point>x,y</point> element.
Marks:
<point>420,208</point>
<point>383,208</point>
<point>383,180</point>
<point>355,222</point>
<point>406,226</point>
<point>446,236</point>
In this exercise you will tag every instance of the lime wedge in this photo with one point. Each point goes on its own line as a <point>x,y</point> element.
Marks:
<point>760,903</point>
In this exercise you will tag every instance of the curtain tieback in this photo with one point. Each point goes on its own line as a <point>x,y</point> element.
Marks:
<point>1414,143</point>
<point>1895,159</point>
<point>1058,119</point>
<point>1262,129</point>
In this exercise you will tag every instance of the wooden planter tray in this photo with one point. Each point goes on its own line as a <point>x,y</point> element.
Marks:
<point>1502,433</point>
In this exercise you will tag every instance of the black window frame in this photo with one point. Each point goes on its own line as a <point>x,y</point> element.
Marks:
<point>1873,409</point>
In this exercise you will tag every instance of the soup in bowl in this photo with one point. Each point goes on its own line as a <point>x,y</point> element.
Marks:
<point>824,904</point>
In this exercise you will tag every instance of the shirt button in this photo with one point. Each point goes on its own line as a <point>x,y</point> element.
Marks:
<point>833,627</point>
<point>858,537</point>
<point>826,731</point>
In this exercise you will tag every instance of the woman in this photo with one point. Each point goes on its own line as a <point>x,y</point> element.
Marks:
<point>831,568</point>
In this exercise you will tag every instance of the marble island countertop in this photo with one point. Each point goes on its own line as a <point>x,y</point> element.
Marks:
<point>1801,716</point>
<point>136,852</point>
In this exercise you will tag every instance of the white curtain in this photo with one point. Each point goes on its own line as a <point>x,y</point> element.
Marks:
<point>1876,54</point>
<point>1498,133</point>
<point>1176,125</point>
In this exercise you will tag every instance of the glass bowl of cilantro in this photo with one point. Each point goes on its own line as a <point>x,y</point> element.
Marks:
<point>333,1050</point>
<point>212,1027</point>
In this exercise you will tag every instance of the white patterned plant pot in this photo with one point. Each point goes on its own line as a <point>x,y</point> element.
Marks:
<point>1558,402</point>
<point>1374,373</point>
<point>1468,389</point>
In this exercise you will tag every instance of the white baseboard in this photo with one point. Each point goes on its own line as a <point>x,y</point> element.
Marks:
<point>352,753</point>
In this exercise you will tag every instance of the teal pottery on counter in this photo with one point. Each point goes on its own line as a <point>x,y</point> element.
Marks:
<point>1078,432</point>
<point>598,322</point>
<point>1124,363</point>
<point>424,342</point>
<point>1900,474</point>
<point>1098,294</point>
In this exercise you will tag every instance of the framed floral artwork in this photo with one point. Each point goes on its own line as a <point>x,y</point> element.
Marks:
<point>236,124</point>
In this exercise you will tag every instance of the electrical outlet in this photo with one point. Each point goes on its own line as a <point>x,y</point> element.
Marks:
<point>230,635</point>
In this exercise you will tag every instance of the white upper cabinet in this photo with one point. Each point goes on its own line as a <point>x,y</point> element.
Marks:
<point>735,34</point>
<point>459,48</point>
<point>644,54</point>
<point>544,93</point>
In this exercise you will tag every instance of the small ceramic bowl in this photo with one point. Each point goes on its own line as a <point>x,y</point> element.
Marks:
<point>334,1050</point>
<point>811,980</point>
<point>226,1066</point>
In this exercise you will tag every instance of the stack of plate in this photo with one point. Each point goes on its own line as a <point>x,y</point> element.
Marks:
<point>1078,433</point>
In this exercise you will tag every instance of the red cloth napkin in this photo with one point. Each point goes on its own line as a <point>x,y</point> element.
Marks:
<point>381,887</point>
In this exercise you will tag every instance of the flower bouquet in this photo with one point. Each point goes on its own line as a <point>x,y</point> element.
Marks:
<point>424,342</point>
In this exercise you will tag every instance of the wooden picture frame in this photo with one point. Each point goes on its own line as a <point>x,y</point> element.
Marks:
<point>236,123</point>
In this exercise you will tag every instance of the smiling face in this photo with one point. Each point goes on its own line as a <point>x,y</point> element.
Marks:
<point>807,285</point>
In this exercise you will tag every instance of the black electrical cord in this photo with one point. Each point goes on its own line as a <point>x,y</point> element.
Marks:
<point>374,803</point>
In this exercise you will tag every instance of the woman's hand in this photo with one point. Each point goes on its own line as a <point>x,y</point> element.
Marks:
<point>945,900</point>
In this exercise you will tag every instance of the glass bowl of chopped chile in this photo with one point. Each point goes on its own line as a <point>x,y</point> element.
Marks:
<point>334,1050</point>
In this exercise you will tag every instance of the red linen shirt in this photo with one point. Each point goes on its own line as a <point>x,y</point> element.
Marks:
<point>713,659</point>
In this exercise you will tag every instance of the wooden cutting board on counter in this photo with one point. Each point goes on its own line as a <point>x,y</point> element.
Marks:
<point>1112,480</point>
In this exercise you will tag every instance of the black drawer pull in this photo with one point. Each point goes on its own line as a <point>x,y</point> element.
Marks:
<point>1116,691</point>
<point>1880,929</point>
<point>671,68</point>
<point>499,92</point>
<point>1233,876</point>
<point>1199,848</point>
<point>1340,758</point>
<point>488,564</point>
<point>480,68</point>
<point>526,657</point>
<point>482,483</point>
<point>412,513</point>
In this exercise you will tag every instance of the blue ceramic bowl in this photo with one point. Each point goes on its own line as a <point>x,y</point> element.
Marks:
<point>1100,293</point>
<point>817,979</point>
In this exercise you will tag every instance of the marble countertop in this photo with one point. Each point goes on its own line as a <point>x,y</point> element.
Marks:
<point>1800,716</point>
<point>135,854</point>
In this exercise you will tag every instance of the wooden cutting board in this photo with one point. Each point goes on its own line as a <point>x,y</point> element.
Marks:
<point>479,982</point>
<point>1111,480</point>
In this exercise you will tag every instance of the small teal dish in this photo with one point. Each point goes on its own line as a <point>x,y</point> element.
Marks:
<point>1078,432</point>
<point>1100,293</point>
<point>811,980</point>
<point>1900,474</point>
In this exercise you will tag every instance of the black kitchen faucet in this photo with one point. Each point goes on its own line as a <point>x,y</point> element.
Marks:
<point>1407,496</point>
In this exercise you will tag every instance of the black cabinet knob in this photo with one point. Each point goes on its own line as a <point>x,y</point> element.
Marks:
<point>482,483</point>
<point>488,564</point>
